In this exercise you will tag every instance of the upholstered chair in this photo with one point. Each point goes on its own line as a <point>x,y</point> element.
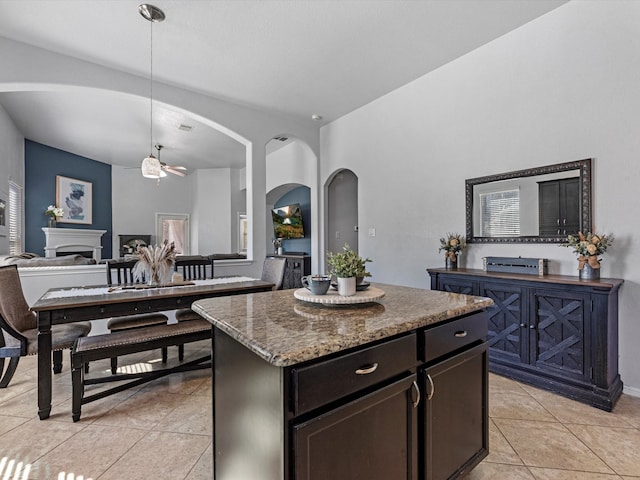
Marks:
<point>273,270</point>
<point>18,328</point>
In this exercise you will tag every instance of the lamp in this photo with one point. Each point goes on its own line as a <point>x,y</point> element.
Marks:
<point>151,167</point>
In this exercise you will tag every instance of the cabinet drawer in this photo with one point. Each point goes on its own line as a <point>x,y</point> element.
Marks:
<point>324,382</point>
<point>444,339</point>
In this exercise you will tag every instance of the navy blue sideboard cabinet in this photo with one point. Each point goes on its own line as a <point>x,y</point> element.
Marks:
<point>555,332</point>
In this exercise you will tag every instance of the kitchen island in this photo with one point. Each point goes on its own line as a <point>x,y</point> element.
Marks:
<point>395,389</point>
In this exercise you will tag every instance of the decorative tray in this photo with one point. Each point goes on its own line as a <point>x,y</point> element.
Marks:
<point>332,298</point>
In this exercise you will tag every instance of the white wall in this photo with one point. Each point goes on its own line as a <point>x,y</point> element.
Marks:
<point>11,168</point>
<point>563,87</point>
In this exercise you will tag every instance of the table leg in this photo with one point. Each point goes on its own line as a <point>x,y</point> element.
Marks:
<point>44,365</point>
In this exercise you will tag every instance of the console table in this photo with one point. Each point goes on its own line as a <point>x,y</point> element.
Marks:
<point>555,332</point>
<point>298,265</point>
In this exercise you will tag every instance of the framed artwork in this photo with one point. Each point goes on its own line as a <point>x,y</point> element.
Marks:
<point>173,227</point>
<point>3,218</point>
<point>75,197</point>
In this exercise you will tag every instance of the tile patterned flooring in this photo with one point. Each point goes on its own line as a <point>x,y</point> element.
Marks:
<point>162,430</point>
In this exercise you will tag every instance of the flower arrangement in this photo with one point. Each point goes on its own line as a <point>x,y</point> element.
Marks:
<point>452,244</point>
<point>348,263</point>
<point>54,212</point>
<point>588,247</point>
<point>155,263</point>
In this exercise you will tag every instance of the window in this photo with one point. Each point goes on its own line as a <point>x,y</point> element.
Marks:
<point>500,213</point>
<point>173,227</point>
<point>15,218</point>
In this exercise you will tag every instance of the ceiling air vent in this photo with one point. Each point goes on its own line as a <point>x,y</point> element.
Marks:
<point>282,139</point>
<point>186,128</point>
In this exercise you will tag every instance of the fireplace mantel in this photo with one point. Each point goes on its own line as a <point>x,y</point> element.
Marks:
<point>72,240</point>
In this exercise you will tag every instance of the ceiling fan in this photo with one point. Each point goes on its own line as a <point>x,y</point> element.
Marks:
<point>175,169</point>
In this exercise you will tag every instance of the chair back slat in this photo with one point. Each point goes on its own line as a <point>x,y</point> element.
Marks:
<point>119,272</point>
<point>273,271</point>
<point>194,268</point>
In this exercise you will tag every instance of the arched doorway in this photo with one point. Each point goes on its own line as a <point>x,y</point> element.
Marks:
<point>342,211</point>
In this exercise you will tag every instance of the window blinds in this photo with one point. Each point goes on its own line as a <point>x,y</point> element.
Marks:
<point>15,218</point>
<point>500,213</point>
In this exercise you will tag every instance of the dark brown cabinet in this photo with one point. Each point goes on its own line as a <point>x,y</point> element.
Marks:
<point>455,414</point>
<point>559,206</point>
<point>409,407</point>
<point>555,332</point>
<point>297,267</point>
<point>373,437</point>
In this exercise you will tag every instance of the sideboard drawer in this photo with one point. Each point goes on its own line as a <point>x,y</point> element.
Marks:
<point>321,383</point>
<point>444,339</point>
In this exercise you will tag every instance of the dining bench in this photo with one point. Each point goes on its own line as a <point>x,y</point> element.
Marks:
<point>108,345</point>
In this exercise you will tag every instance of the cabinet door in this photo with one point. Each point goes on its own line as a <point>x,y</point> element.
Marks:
<point>570,206</point>
<point>559,335</point>
<point>454,419</point>
<point>372,438</point>
<point>508,335</point>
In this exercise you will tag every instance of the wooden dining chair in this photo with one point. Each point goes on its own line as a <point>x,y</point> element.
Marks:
<point>120,273</point>
<point>19,330</point>
<point>192,268</point>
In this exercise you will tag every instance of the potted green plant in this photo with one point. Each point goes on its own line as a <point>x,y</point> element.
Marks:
<point>347,266</point>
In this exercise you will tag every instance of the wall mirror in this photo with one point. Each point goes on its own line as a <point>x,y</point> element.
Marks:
<point>536,205</point>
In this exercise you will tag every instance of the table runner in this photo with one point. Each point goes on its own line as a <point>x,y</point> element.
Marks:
<point>79,292</point>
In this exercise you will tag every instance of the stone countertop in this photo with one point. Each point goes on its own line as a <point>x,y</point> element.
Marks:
<point>285,331</point>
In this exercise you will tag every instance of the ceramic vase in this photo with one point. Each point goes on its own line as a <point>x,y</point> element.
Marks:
<point>52,222</point>
<point>347,286</point>
<point>589,273</point>
<point>451,263</point>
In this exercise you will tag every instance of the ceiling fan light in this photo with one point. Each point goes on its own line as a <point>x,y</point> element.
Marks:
<point>151,167</point>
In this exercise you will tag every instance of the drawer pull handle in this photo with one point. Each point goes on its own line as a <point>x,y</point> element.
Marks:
<point>415,388</point>
<point>432,388</point>
<point>460,334</point>
<point>367,370</point>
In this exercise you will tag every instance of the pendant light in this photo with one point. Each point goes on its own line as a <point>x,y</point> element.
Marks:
<point>151,167</point>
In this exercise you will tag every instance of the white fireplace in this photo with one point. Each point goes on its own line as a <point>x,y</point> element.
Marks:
<point>73,240</point>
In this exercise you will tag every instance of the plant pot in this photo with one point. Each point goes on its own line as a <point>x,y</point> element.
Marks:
<point>587,272</point>
<point>347,286</point>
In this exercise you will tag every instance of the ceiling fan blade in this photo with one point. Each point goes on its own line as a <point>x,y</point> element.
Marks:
<point>177,167</point>
<point>175,172</point>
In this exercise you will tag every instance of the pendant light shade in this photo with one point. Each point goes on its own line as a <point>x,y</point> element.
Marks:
<point>151,167</point>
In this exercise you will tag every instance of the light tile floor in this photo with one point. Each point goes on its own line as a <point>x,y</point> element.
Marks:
<point>162,430</point>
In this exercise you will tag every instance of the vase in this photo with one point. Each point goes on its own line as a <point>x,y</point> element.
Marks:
<point>587,272</point>
<point>280,251</point>
<point>451,263</point>
<point>52,222</point>
<point>347,286</point>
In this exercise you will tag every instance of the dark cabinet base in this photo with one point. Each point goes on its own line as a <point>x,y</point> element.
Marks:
<point>297,267</point>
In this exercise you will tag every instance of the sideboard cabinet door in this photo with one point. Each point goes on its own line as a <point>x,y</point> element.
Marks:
<point>558,333</point>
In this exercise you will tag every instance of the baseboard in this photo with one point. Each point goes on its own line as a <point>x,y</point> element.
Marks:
<point>634,392</point>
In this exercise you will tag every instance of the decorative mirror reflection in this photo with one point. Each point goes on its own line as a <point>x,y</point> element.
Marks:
<point>536,205</point>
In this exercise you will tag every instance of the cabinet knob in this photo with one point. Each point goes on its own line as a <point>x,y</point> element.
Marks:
<point>523,325</point>
<point>366,370</point>
<point>532,327</point>
<point>460,334</point>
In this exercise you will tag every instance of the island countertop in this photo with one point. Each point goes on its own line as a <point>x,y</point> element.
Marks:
<point>285,331</point>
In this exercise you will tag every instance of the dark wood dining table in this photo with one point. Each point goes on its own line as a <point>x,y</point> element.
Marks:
<point>68,305</point>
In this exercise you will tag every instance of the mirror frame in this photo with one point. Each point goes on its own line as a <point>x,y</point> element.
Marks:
<point>585,189</point>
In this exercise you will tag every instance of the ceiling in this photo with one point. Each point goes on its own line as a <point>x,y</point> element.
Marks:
<point>296,58</point>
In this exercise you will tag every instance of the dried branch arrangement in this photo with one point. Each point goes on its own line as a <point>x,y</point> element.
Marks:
<point>155,264</point>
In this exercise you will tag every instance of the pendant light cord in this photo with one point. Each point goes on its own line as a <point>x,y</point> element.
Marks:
<point>151,93</point>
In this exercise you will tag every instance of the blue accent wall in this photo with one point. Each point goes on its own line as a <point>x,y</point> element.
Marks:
<point>41,165</point>
<point>301,195</point>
